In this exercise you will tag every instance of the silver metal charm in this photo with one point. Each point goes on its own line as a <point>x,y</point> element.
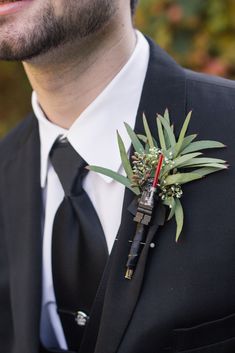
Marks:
<point>81,318</point>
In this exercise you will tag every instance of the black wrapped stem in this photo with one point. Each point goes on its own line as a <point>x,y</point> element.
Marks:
<point>135,250</point>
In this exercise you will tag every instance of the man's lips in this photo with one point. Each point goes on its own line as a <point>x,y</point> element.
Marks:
<point>8,7</point>
<point>8,1</point>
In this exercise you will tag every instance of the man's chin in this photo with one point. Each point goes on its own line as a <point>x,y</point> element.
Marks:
<point>9,53</point>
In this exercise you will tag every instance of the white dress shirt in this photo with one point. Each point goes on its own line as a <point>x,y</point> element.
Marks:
<point>93,136</point>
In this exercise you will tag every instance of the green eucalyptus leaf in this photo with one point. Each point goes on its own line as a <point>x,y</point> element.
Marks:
<point>207,170</point>
<point>142,138</point>
<point>195,161</point>
<point>186,142</point>
<point>179,217</point>
<point>182,178</point>
<point>124,157</point>
<point>167,116</point>
<point>183,132</point>
<point>161,135</point>
<point>169,133</point>
<point>134,139</point>
<point>210,165</point>
<point>115,176</point>
<point>178,162</point>
<point>202,145</point>
<point>170,203</point>
<point>155,143</point>
<point>146,149</point>
<point>172,212</point>
<point>167,140</point>
<point>148,132</point>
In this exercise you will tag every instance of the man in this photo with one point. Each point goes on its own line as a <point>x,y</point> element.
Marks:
<point>90,72</point>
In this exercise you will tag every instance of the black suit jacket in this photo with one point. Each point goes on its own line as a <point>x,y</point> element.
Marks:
<point>182,298</point>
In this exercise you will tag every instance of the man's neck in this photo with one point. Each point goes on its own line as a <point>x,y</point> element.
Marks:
<point>70,78</point>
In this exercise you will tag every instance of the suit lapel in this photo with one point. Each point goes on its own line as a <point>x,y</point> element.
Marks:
<point>164,88</point>
<point>23,229</point>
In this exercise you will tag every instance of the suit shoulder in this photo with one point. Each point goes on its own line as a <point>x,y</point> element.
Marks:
<point>210,95</point>
<point>201,80</point>
<point>14,139</point>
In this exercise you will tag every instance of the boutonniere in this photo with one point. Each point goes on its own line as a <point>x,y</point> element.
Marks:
<point>157,173</point>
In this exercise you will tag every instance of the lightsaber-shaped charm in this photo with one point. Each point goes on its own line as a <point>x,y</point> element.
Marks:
<point>143,218</point>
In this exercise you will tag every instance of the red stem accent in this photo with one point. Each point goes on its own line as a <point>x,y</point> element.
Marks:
<point>158,170</point>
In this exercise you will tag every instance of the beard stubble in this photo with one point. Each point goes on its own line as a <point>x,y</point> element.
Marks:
<point>48,31</point>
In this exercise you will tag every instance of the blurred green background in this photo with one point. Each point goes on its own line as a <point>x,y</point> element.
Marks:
<point>199,34</point>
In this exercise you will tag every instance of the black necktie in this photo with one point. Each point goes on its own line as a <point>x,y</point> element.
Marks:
<point>79,250</point>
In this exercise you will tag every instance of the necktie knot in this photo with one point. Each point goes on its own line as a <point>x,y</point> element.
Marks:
<point>69,166</point>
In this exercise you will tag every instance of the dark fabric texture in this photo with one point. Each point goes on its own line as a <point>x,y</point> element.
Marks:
<point>183,298</point>
<point>79,250</point>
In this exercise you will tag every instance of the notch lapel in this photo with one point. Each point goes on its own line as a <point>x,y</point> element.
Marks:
<point>164,87</point>
<point>22,201</point>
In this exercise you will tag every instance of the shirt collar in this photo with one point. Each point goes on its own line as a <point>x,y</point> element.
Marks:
<point>93,134</point>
